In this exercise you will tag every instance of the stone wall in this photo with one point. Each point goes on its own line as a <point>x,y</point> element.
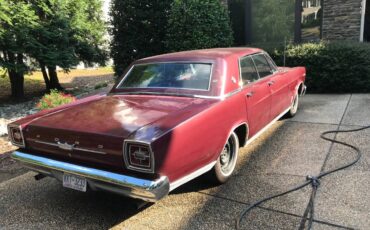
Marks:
<point>341,19</point>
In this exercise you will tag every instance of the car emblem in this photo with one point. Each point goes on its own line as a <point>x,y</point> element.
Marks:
<point>65,146</point>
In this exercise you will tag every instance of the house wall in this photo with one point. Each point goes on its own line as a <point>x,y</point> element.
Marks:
<point>341,20</point>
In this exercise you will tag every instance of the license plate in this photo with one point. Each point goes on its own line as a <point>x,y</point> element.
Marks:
<point>74,182</point>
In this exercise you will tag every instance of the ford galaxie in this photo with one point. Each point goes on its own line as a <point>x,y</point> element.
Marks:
<point>169,119</point>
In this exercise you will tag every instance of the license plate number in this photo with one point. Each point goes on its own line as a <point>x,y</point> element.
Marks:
<point>74,182</point>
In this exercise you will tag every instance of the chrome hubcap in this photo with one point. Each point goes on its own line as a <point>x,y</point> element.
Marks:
<point>225,155</point>
<point>295,104</point>
<point>228,156</point>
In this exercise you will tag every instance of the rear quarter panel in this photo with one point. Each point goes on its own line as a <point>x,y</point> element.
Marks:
<point>199,140</point>
<point>295,77</point>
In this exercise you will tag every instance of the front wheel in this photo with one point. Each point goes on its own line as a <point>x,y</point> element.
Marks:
<point>226,162</point>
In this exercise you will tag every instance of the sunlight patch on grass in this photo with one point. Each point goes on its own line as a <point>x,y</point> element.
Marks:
<point>34,82</point>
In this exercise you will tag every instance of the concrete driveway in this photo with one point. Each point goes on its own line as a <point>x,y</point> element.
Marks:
<point>278,160</point>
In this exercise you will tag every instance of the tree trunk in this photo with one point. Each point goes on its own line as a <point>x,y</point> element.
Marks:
<point>16,76</point>
<point>54,82</point>
<point>45,76</point>
<point>17,84</point>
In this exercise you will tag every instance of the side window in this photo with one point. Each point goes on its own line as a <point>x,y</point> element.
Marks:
<point>263,67</point>
<point>248,70</point>
<point>272,63</point>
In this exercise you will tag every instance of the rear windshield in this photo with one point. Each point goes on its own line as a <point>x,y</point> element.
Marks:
<point>194,76</point>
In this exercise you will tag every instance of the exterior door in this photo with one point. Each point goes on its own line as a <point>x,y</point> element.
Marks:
<point>277,82</point>
<point>257,96</point>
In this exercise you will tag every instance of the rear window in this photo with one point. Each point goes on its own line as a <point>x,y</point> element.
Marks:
<point>194,76</point>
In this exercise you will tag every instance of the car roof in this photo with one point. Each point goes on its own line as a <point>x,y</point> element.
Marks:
<point>214,53</point>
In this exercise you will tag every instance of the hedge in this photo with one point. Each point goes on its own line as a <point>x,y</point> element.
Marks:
<point>194,24</point>
<point>332,67</point>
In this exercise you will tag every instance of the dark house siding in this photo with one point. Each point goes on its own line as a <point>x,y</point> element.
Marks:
<point>341,20</point>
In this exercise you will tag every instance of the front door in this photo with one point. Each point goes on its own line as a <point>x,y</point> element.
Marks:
<point>257,96</point>
<point>277,83</point>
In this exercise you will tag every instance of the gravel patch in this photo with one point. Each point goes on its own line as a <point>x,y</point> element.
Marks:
<point>12,112</point>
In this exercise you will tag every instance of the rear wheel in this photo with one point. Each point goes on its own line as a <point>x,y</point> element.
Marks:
<point>226,162</point>
<point>294,107</point>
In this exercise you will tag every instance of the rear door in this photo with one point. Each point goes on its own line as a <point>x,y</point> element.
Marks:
<point>257,95</point>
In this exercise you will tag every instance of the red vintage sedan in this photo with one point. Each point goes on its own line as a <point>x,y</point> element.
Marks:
<point>169,119</point>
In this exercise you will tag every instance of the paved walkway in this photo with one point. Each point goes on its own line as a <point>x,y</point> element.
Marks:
<point>278,160</point>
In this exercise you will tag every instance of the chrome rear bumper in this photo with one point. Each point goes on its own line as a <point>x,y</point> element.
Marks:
<point>148,190</point>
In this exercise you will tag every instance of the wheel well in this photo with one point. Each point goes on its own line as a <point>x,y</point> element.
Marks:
<point>241,132</point>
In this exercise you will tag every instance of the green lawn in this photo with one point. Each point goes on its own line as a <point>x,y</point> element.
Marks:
<point>35,86</point>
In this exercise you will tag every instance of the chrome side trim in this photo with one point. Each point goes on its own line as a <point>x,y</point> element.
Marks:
<point>148,190</point>
<point>255,136</point>
<point>191,176</point>
<point>74,148</point>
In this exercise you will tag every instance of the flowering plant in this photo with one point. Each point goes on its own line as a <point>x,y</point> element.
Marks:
<point>54,99</point>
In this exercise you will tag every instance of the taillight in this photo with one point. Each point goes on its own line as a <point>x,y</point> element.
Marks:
<point>138,156</point>
<point>16,135</point>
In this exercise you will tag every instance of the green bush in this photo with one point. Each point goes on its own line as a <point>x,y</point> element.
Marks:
<point>332,67</point>
<point>195,24</point>
<point>138,30</point>
<point>54,99</point>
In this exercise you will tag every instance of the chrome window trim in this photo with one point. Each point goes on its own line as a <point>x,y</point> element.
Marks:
<point>240,69</point>
<point>166,94</point>
<point>271,62</point>
<point>10,135</point>
<point>263,54</point>
<point>125,156</point>
<point>260,79</point>
<point>168,62</point>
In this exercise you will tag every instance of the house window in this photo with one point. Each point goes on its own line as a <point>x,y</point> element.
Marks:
<point>367,22</point>
<point>311,20</point>
<point>275,21</point>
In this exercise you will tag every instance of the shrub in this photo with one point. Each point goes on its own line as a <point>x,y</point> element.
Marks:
<point>100,85</point>
<point>138,30</point>
<point>195,24</point>
<point>54,99</point>
<point>332,67</point>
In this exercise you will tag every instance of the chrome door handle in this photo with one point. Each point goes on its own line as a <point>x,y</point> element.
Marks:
<point>250,94</point>
<point>270,83</point>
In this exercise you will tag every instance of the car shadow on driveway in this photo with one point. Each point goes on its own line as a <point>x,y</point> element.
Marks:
<point>45,204</point>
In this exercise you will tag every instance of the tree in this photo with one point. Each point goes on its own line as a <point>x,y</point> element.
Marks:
<point>17,20</point>
<point>273,21</point>
<point>52,32</point>
<point>138,30</point>
<point>195,24</point>
<point>70,32</point>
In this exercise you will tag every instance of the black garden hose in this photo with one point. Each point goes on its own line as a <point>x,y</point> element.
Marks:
<point>314,181</point>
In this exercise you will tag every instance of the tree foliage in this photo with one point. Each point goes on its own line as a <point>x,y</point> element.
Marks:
<point>17,21</point>
<point>195,24</point>
<point>138,30</point>
<point>52,33</point>
<point>273,21</point>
